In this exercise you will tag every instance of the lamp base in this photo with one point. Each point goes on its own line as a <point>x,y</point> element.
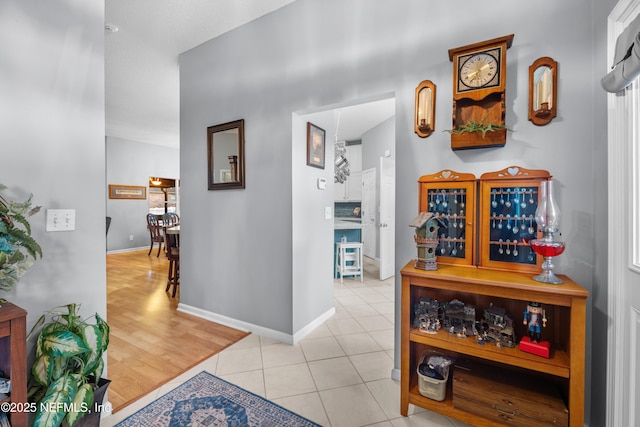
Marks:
<point>547,276</point>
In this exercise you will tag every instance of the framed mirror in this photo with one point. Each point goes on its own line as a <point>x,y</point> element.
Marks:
<point>424,121</point>
<point>543,90</point>
<point>225,153</point>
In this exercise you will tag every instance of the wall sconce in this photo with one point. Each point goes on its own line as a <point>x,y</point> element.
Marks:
<point>543,91</point>
<point>424,123</point>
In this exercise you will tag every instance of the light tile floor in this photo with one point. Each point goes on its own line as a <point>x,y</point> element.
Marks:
<point>339,375</point>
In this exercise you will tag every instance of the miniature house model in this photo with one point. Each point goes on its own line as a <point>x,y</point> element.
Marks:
<point>426,238</point>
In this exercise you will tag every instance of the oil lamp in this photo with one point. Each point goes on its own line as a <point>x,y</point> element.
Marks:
<point>547,218</point>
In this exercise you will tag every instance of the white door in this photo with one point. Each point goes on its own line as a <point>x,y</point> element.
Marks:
<point>623,352</point>
<point>387,222</point>
<point>368,214</point>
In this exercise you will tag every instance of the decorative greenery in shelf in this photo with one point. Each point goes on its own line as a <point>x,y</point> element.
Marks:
<point>16,244</point>
<point>473,126</point>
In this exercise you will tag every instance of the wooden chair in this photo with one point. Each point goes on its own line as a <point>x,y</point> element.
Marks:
<point>173,254</point>
<point>170,219</point>
<point>155,232</point>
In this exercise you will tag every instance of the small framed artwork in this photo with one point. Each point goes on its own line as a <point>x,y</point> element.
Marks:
<point>131,192</point>
<point>315,146</point>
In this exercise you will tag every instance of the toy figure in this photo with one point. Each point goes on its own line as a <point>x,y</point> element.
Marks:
<point>535,317</point>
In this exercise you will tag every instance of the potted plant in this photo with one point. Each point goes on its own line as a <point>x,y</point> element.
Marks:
<point>473,126</point>
<point>17,247</point>
<point>66,376</point>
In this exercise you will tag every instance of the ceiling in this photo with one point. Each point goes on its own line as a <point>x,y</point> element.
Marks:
<point>141,64</point>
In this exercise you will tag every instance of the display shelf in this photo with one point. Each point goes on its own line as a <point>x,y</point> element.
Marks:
<point>557,364</point>
<point>451,196</point>
<point>566,308</point>
<point>508,203</point>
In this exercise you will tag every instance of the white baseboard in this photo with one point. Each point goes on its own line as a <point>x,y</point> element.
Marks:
<point>298,336</point>
<point>395,374</point>
<point>256,329</point>
<point>119,251</point>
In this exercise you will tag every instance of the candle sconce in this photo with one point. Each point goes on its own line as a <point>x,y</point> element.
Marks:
<point>424,122</point>
<point>543,90</point>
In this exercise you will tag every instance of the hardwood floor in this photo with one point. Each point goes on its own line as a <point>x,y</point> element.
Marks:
<point>150,342</point>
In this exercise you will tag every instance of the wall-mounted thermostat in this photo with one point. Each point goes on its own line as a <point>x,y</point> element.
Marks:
<point>322,184</point>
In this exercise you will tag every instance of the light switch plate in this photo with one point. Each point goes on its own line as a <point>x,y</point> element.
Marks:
<point>327,212</point>
<point>61,220</point>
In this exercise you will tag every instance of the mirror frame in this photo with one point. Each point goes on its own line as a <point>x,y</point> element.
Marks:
<point>211,130</point>
<point>541,117</point>
<point>426,111</point>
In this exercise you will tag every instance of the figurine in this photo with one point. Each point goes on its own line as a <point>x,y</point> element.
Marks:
<point>496,326</point>
<point>535,317</point>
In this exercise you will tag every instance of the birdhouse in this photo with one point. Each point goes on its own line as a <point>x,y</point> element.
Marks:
<point>426,238</point>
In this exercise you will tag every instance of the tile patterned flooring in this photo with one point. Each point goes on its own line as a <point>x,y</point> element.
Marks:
<point>339,375</point>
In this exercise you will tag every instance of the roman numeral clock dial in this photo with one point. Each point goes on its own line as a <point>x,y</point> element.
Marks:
<point>479,70</point>
<point>479,83</point>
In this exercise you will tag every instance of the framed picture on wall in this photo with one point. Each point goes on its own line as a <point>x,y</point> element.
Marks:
<point>315,146</point>
<point>131,192</point>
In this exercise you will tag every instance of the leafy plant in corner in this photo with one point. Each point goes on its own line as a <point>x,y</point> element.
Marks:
<point>17,247</point>
<point>68,364</point>
<point>473,126</point>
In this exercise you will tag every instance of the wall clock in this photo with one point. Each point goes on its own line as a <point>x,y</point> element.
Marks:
<point>479,82</point>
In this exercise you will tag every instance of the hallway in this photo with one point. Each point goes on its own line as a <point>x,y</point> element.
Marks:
<point>339,375</point>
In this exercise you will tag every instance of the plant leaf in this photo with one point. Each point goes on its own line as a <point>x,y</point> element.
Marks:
<point>42,369</point>
<point>63,343</point>
<point>93,338</point>
<point>81,404</point>
<point>104,328</point>
<point>52,407</point>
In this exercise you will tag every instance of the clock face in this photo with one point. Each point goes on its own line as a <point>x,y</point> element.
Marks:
<point>479,70</point>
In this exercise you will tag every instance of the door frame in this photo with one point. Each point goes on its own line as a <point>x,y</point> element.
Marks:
<point>366,210</point>
<point>625,321</point>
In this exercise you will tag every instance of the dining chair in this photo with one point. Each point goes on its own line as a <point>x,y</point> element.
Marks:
<point>170,219</point>
<point>155,232</point>
<point>173,254</point>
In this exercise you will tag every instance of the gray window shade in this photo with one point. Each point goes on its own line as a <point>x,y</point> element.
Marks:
<point>626,60</point>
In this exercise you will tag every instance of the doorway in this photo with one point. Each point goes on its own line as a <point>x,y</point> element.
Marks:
<point>367,130</point>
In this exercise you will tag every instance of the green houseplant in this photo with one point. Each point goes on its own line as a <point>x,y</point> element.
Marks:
<point>68,366</point>
<point>18,249</point>
<point>473,126</point>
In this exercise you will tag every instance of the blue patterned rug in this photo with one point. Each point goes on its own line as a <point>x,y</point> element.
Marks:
<point>206,400</point>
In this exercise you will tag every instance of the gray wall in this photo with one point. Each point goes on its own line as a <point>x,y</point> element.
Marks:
<point>132,163</point>
<point>311,55</point>
<point>52,139</point>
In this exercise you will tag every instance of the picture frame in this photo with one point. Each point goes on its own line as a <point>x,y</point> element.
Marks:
<point>128,192</point>
<point>315,146</point>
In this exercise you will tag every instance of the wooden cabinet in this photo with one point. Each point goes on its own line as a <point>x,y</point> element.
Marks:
<point>13,359</point>
<point>565,307</point>
<point>508,201</point>
<point>350,190</point>
<point>451,196</point>
<point>486,222</point>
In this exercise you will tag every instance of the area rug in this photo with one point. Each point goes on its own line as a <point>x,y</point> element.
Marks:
<point>206,400</point>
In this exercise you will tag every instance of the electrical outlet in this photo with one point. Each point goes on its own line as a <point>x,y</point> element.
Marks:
<point>61,220</point>
<point>130,236</point>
